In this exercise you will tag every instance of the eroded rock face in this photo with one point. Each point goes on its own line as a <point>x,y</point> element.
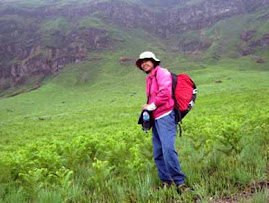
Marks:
<point>194,46</point>
<point>260,60</point>
<point>124,60</point>
<point>248,48</point>
<point>262,42</point>
<point>25,50</point>
<point>176,19</point>
<point>44,61</point>
<point>245,50</point>
<point>246,36</point>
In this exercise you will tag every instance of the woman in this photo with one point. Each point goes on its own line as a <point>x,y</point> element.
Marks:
<point>161,104</point>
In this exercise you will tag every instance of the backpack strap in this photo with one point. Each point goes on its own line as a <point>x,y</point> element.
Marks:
<point>178,116</point>
<point>178,112</point>
<point>149,92</point>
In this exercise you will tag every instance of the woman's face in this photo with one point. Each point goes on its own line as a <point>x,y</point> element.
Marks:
<point>147,66</point>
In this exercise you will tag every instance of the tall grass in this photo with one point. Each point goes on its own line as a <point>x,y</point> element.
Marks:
<point>68,142</point>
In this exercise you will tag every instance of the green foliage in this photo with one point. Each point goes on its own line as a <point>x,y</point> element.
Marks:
<point>88,146</point>
<point>76,138</point>
<point>52,25</point>
<point>91,22</point>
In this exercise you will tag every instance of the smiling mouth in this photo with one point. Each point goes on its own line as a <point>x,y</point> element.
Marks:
<point>145,68</point>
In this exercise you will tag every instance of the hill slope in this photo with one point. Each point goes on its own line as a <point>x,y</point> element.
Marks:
<point>76,138</point>
<point>39,38</point>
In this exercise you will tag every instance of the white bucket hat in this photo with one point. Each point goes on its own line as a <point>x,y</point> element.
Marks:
<point>146,55</point>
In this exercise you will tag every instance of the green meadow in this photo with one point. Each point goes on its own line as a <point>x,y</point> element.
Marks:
<point>76,138</point>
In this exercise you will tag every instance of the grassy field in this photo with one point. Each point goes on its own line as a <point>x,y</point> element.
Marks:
<point>76,138</point>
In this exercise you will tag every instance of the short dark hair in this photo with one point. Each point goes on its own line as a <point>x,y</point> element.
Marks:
<point>155,63</point>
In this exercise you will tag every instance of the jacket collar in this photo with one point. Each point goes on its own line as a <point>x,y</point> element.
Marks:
<point>153,72</point>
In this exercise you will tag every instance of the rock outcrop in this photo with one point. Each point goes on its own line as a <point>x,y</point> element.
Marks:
<point>43,61</point>
<point>248,47</point>
<point>27,50</point>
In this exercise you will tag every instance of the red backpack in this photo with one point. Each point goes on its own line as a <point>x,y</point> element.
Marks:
<point>184,94</point>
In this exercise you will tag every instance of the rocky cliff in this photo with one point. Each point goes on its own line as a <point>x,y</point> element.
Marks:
<point>36,59</point>
<point>40,41</point>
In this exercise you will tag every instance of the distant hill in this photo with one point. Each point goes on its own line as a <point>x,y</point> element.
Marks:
<point>39,38</point>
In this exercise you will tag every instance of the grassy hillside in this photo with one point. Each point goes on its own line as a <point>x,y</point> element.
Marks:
<point>76,138</point>
<point>51,32</point>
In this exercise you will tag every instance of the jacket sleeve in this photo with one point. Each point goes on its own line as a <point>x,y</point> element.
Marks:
<point>164,93</point>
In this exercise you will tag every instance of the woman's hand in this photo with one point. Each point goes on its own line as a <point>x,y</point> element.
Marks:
<point>149,107</point>
<point>144,106</point>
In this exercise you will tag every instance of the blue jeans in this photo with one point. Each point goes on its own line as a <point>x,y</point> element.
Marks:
<point>165,156</point>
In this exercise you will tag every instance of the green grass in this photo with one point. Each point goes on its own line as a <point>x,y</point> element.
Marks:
<point>76,138</point>
<point>91,22</point>
<point>53,25</point>
<point>261,196</point>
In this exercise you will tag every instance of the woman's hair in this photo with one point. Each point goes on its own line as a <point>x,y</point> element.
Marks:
<point>155,63</point>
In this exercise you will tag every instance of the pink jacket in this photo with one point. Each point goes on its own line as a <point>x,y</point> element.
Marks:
<point>159,90</point>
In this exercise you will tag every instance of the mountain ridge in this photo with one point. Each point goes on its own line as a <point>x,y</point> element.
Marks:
<point>37,42</point>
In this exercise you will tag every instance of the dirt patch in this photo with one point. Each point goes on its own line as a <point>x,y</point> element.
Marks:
<point>247,194</point>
